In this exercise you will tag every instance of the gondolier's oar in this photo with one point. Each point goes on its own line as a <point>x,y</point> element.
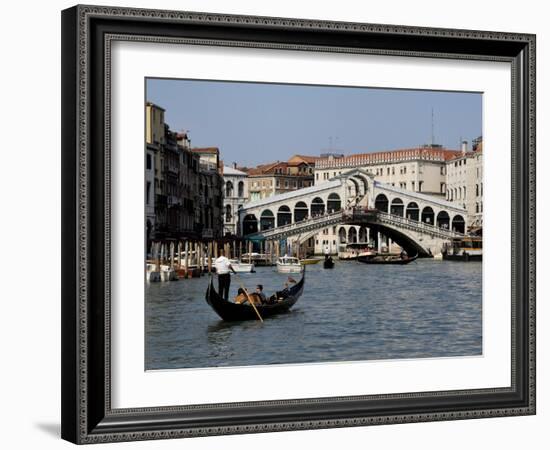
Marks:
<point>249,299</point>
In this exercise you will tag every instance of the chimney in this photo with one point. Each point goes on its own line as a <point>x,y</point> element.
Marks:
<point>464,147</point>
<point>234,165</point>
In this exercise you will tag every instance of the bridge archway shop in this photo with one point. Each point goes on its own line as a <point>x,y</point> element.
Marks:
<point>250,225</point>
<point>267,220</point>
<point>381,203</point>
<point>284,216</point>
<point>317,207</point>
<point>301,212</point>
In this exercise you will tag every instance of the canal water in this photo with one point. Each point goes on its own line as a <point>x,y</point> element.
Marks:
<point>353,312</point>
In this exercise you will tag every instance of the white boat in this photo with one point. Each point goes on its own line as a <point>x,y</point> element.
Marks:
<point>152,275</point>
<point>241,267</point>
<point>289,264</point>
<point>355,250</point>
<point>167,273</point>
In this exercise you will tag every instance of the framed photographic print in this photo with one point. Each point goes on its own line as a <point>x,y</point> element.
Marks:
<point>280,224</point>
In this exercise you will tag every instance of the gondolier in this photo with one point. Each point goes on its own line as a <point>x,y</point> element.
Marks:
<point>223,267</point>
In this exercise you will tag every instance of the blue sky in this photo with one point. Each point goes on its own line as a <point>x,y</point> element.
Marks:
<point>254,123</point>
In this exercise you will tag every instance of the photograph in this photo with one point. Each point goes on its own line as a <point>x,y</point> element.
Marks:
<point>302,224</point>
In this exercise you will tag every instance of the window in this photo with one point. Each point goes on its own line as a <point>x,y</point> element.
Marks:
<point>149,163</point>
<point>393,170</point>
<point>412,185</point>
<point>148,192</point>
<point>317,176</point>
<point>388,171</point>
<point>420,183</point>
<point>442,188</point>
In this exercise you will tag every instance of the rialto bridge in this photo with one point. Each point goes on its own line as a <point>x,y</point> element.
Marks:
<point>418,222</point>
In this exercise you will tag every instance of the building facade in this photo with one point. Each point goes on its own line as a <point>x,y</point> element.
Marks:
<point>235,195</point>
<point>465,182</point>
<point>183,186</point>
<point>280,177</point>
<point>420,169</point>
<point>209,214</point>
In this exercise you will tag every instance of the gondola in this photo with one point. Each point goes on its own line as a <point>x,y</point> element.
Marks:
<point>328,263</point>
<point>232,312</point>
<point>386,260</point>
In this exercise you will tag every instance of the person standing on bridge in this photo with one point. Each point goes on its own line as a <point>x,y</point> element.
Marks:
<point>223,266</point>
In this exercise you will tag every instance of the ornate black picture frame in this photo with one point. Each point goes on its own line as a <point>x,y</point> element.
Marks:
<point>87,34</point>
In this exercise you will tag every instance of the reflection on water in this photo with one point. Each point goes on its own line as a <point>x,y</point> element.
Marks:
<point>350,313</point>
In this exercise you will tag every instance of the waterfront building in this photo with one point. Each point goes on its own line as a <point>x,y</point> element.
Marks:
<point>154,175</point>
<point>281,176</point>
<point>184,199</point>
<point>189,180</point>
<point>465,181</point>
<point>209,211</point>
<point>150,156</point>
<point>235,195</point>
<point>418,169</point>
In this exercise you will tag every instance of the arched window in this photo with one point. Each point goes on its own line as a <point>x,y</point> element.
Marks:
<point>301,211</point>
<point>412,211</point>
<point>381,203</point>
<point>397,207</point>
<point>352,235</point>
<point>267,220</point>
<point>443,220</point>
<point>228,213</point>
<point>229,189</point>
<point>427,215</point>
<point>334,203</point>
<point>250,224</point>
<point>363,234</point>
<point>458,224</point>
<point>241,189</point>
<point>317,207</point>
<point>284,216</point>
<point>342,235</point>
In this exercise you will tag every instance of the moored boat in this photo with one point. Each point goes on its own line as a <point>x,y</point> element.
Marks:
<point>355,250</point>
<point>241,267</point>
<point>229,311</point>
<point>389,259</point>
<point>464,249</point>
<point>289,264</point>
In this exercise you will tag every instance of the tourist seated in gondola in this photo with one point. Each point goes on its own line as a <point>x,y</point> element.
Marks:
<point>258,298</point>
<point>260,293</point>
